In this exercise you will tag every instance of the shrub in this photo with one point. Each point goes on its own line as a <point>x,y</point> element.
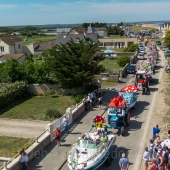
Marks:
<point>123,60</point>
<point>132,48</point>
<point>52,113</point>
<point>79,98</point>
<point>125,50</point>
<point>11,92</point>
<point>50,92</point>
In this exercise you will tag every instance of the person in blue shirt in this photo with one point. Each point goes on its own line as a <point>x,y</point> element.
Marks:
<point>156,130</point>
<point>124,162</point>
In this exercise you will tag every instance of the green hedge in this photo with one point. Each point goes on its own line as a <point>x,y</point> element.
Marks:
<point>11,92</point>
<point>123,60</point>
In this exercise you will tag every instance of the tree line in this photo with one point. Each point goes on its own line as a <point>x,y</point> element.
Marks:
<point>68,65</point>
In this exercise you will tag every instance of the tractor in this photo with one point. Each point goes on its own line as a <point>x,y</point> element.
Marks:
<point>118,114</point>
<point>142,81</point>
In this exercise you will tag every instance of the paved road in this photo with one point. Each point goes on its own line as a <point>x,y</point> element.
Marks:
<point>134,140</point>
<point>21,128</point>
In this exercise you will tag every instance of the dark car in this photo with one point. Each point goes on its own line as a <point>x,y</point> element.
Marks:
<point>158,43</point>
<point>131,69</point>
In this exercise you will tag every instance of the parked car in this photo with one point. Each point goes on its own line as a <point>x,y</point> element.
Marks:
<point>158,43</point>
<point>131,69</point>
<point>167,54</point>
<point>154,37</point>
<point>163,48</point>
<point>140,56</point>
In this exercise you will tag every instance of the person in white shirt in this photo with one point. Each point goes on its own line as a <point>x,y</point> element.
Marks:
<point>146,158</point>
<point>66,123</point>
<point>26,159</point>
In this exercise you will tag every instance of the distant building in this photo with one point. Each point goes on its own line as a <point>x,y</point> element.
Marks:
<point>111,43</point>
<point>63,30</point>
<point>10,45</point>
<point>19,57</point>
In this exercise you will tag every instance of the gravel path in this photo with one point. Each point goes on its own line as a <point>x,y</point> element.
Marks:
<point>21,128</point>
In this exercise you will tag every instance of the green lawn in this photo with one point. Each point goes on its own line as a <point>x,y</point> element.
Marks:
<point>34,107</point>
<point>106,83</point>
<point>111,64</point>
<point>10,146</point>
<point>37,39</point>
<point>139,28</point>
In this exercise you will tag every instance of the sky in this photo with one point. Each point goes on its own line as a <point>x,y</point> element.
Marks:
<point>40,12</point>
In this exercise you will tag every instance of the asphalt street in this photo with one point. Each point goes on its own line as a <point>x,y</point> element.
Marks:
<point>133,143</point>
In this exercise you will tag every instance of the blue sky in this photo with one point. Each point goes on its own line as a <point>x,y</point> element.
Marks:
<point>21,12</point>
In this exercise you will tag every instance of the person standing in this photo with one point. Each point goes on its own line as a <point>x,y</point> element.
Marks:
<point>57,136</point>
<point>155,131</point>
<point>146,158</point>
<point>26,159</point>
<point>85,101</point>
<point>124,162</point>
<point>151,147</point>
<point>166,158</point>
<point>22,160</point>
<point>100,102</point>
<point>66,123</point>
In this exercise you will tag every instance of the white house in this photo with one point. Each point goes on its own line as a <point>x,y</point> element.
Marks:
<point>10,45</point>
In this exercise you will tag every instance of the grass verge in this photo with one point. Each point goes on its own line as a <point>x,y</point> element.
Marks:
<point>37,39</point>
<point>10,146</point>
<point>111,64</point>
<point>34,107</point>
<point>106,83</point>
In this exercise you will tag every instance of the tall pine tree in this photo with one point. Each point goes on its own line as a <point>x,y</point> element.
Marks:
<point>74,63</point>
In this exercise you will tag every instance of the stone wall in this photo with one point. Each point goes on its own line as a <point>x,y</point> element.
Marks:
<point>37,89</point>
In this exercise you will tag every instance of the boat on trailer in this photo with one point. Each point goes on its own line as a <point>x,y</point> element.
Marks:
<point>91,151</point>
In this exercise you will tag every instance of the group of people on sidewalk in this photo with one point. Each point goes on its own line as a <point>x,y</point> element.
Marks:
<point>93,98</point>
<point>156,155</point>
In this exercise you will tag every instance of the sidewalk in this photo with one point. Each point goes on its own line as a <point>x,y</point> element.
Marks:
<point>52,157</point>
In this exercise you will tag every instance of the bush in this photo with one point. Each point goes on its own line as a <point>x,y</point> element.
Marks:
<point>52,113</point>
<point>50,92</point>
<point>125,50</point>
<point>132,48</point>
<point>123,60</point>
<point>79,98</point>
<point>11,92</point>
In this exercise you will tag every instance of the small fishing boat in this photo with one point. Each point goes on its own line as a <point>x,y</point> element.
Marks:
<point>92,150</point>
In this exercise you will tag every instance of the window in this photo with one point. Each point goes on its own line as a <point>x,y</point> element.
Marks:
<point>19,46</point>
<point>2,49</point>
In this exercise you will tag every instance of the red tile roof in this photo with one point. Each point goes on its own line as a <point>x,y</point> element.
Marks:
<point>10,40</point>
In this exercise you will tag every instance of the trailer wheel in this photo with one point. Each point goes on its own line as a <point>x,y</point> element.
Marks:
<point>122,130</point>
<point>127,119</point>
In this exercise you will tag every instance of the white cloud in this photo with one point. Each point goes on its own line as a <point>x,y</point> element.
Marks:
<point>7,6</point>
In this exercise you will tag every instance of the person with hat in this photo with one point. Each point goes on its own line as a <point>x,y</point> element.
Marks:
<point>155,131</point>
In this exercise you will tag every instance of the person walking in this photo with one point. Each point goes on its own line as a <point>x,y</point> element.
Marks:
<point>146,158</point>
<point>124,162</point>
<point>85,101</point>
<point>57,136</point>
<point>26,159</point>
<point>155,131</point>
<point>151,148</point>
<point>66,124</point>
<point>24,167</point>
